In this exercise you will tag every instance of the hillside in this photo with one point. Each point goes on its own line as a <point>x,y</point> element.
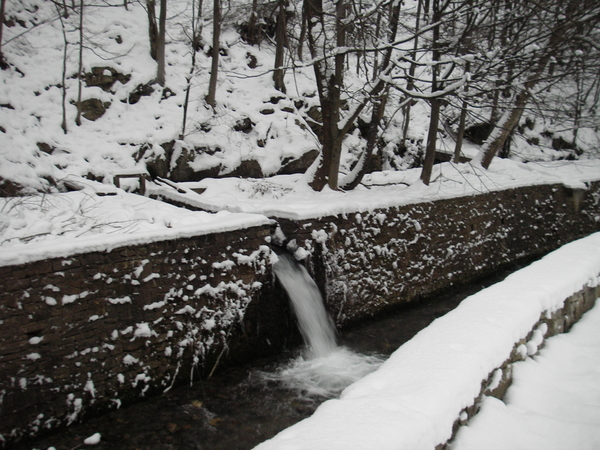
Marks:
<point>130,123</point>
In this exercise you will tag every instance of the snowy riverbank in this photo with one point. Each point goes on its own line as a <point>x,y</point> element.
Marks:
<point>413,400</point>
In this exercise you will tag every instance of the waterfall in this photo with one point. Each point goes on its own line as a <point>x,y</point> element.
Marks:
<point>324,369</point>
<point>315,324</point>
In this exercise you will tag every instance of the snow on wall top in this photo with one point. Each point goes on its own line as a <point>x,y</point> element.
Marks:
<point>47,226</point>
<point>288,196</point>
<point>100,218</point>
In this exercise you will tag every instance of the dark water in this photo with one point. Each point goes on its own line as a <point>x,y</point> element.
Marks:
<point>236,409</point>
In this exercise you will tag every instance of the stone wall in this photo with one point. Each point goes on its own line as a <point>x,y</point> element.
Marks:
<point>82,334</point>
<point>93,331</point>
<point>369,262</point>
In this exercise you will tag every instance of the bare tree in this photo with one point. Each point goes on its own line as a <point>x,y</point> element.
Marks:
<point>560,27</point>
<point>152,27</point>
<point>195,44</point>
<point>3,64</point>
<point>157,36</point>
<point>64,71</point>
<point>160,44</point>
<point>80,67</point>
<point>434,117</point>
<point>281,42</point>
<point>324,37</point>
<point>211,99</point>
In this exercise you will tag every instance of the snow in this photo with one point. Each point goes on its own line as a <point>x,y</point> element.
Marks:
<point>63,224</point>
<point>288,196</point>
<point>94,439</point>
<point>101,217</point>
<point>553,403</point>
<point>412,401</point>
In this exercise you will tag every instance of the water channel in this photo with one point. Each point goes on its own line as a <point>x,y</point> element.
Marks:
<point>240,407</point>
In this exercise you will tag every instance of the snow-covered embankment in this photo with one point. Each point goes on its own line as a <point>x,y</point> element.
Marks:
<point>433,382</point>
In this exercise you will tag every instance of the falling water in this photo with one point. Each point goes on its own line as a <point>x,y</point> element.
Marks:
<point>314,322</point>
<point>324,369</point>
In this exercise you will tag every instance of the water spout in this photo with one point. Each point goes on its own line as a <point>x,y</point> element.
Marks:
<point>325,369</point>
<point>315,324</point>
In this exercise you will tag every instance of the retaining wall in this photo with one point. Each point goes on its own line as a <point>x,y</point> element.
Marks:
<point>368,262</point>
<point>92,331</point>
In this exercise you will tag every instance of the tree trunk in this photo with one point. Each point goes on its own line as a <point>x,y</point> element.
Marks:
<point>434,119</point>
<point>373,133</point>
<point>335,88</point>
<point>196,15</point>
<point>80,69</point>
<point>302,36</point>
<point>461,122</point>
<point>411,73</point>
<point>211,98</point>
<point>152,27</point>
<point>252,38</point>
<point>3,64</point>
<point>329,87</point>
<point>64,72</point>
<point>160,44</point>
<point>279,72</point>
<point>504,128</point>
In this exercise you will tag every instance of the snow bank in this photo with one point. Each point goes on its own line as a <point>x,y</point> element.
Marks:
<point>413,400</point>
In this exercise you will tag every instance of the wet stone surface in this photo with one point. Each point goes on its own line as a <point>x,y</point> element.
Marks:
<point>236,409</point>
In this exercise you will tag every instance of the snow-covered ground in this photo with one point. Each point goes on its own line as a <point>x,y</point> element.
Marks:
<point>412,401</point>
<point>37,153</point>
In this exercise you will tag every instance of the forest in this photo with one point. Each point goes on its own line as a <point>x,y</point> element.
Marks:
<point>371,85</point>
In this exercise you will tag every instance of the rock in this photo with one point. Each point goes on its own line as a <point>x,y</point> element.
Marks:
<point>104,78</point>
<point>478,133</point>
<point>248,168</point>
<point>156,164</point>
<point>142,90</point>
<point>252,61</point>
<point>93,108</point>
<point>167,92</point>
<point>244,125</point>
<point>46,148</point>
<point>9,188</point>
<point>299,165</point>
<point>181,170</point>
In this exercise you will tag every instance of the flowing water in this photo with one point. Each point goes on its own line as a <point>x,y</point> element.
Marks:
<point>323,369</point>
<point>315,324</point>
